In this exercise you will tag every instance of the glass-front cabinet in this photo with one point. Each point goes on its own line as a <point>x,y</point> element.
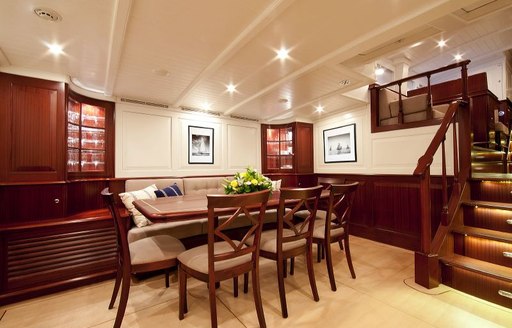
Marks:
<point>287,148</point>
<point>89,137</point>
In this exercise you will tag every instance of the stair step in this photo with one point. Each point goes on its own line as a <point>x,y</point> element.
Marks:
<point>487,156</point>
<point>478,266</point>
<point>500,236</point>
<point>488,215</point>
<point>487,204</point>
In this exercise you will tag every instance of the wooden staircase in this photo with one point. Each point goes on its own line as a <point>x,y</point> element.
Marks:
<point>478,249</point>
<point>487,160</point>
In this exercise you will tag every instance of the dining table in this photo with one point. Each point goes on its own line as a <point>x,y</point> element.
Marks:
<point>191,207</point>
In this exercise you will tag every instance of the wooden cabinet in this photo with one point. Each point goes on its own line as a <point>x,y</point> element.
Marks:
<point>31,129</point>
<point>90,137</point>
<point>287,148</point>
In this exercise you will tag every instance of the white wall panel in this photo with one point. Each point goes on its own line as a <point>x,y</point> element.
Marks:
<point>154,142</point>
<point>241,144</point>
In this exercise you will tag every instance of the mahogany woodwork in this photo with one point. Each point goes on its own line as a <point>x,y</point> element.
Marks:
<point>32,124</point>
<point>302,148</point>
<point>487,217</point>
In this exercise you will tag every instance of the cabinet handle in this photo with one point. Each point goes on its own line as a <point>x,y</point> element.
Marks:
<point>56,200</point>
<point>509,221</point>
<point>504,293</point>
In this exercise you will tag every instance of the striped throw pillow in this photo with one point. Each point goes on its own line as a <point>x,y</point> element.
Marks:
<point>170,191</point>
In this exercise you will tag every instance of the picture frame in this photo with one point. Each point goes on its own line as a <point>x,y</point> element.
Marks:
<point>340,144</point>
<point>200,145</point>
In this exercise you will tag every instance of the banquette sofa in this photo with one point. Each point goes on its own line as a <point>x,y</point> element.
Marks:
<point>187,186</point>
<point>414,108</point>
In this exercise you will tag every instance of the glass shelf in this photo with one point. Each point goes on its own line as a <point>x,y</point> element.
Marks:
<point>86,137</point>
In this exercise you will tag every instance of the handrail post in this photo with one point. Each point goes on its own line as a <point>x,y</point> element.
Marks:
<point>444,185</point>
<point>425,212</point>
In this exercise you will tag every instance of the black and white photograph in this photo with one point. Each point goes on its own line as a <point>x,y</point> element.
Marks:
<point>200,145</point>
<point>340,144</point>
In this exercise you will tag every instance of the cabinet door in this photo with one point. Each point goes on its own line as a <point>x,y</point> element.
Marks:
<point>303,147</point>
<point>32,124</point>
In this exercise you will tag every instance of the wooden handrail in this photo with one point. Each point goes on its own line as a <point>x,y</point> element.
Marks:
<point>428,74</point>
<point>426,264</point>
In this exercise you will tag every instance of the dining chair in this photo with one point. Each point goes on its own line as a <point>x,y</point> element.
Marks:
<point>326,182</point>
<point>222,257</point>
<point>336,228</point>
<point>291,239</point>
<point>153,253</point>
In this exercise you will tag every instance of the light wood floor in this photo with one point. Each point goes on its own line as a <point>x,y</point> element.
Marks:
<point>383,295</point>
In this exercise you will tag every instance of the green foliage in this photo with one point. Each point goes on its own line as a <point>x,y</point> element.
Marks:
<point>248,181</point>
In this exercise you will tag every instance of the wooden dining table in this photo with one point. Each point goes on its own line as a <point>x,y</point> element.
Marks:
<point>191,207</point>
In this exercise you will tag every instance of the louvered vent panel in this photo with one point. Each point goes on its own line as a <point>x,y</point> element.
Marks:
<point>35,260</point>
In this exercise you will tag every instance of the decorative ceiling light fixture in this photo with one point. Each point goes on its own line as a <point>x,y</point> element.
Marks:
<point>441,43</point>
<point>379,70</point>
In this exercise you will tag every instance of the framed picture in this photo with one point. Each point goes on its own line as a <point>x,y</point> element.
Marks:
<point>340,144</point>
<point>200,145</point>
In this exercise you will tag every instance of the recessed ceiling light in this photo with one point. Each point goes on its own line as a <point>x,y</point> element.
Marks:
<point>319,108</point>
<point>457,57</point>
<point>231,88</point>
<point>283,53</point>
<point>379,70</point>
<point>207,105</point>
<point>441,43</point>
<point>55,48</point>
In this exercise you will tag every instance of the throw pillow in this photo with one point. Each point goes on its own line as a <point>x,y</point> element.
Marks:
<point>276,185</point>
<point>128,198</point>
<point>170,191</point>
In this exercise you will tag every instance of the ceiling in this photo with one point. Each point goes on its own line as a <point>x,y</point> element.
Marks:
<point>184,53</point>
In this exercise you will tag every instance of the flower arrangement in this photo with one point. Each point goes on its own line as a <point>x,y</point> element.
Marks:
<point>248,181</point>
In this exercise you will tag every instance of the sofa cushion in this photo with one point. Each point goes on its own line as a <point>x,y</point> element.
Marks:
<point>170,191</point>
<point>385,98</point>
<point>204,185</point>
<point>136,184</point>
<point>128,198</point>
<point>177,229</point>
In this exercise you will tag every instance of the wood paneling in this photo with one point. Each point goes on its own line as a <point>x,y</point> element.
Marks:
<point>32,113</point>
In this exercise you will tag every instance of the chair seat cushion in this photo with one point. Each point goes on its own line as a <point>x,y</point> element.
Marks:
<point>268,241</point>
<point>319,231</point>
<point>155,249</point>
<point>197,257</point>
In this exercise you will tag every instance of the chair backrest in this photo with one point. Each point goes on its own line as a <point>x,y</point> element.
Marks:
<point>120,227</point>
<point>341,199</point>
<point>251,206</point>
<point>326,182</point>
<point>302,199</point>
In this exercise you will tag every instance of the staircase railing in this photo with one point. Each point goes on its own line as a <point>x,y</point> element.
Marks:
<point>457,117</point>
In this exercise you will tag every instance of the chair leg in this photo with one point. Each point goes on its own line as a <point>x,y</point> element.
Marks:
<point>182,277</point>
<point>213,302</point>
<point>167,274</point>
<point>319,252</point>
<point>235,286</point>
<point>341,244</point>
<point>285,268</point>
<point>328,261</point>
<point>280,280</point>
<point>125,290</point>
<point>292,266</point>
<point>246,282</point>
<point>311,271</point>
<point>349,257</point>
<point>119,276</point>
<point>257,297</point>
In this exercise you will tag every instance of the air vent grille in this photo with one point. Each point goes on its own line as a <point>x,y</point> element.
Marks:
<point>142,102</point>
<point>48,14</point>
<point>244,118</point>
<point>203,111</point>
